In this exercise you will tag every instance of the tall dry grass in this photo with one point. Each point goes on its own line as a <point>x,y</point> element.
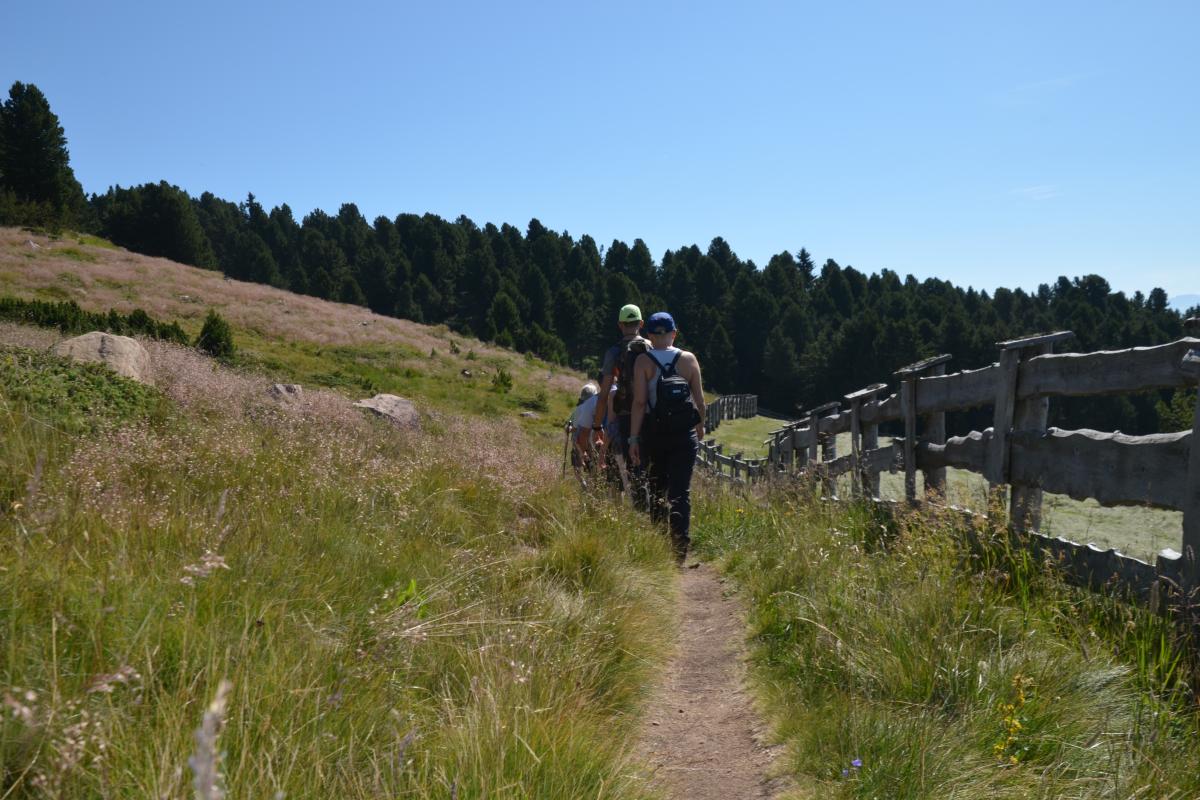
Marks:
<point>397,613</point>
<point>897,661</point>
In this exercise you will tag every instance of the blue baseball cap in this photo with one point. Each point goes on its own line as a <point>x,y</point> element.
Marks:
<point>660,322</point>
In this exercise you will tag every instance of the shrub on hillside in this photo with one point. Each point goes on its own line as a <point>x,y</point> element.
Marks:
<point>502,381</point>
<point>216,337</point>
<point>68,317</point>
<point>70,396</point>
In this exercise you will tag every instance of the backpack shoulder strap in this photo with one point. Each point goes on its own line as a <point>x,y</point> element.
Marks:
<point>667,369</point>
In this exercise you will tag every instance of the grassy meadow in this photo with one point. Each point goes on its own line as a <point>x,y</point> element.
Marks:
<point>204,589</point>
<point>409,614</point>
<point>894,661</point>
<point>208,591</point>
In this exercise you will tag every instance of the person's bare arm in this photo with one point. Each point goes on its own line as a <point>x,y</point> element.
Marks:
<point>598,417</point>
<point>697,387</point>
<point>639,408</point>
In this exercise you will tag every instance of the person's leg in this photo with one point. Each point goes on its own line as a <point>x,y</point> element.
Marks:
<point>637,474</point>
<point>681,460</point>
<point>657,476</point>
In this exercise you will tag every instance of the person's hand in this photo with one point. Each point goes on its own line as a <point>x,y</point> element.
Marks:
<point>597,437</point>
<point>635,454</point>
<point>700,431</point>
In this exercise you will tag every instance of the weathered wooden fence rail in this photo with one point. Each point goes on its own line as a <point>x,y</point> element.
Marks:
<point>1018,451</point>
<point>729,406</point>
<point>731,467</point>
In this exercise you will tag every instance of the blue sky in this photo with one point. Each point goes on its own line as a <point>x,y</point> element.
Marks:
<point>989,143</point>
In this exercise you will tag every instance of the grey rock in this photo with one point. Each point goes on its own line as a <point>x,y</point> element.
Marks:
<point>123,355</point>
<point>396,409</point>
<point>287,391</point>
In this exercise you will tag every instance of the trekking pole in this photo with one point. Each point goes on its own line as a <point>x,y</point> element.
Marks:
<point>566,447</point>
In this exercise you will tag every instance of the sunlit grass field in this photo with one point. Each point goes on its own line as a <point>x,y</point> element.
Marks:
<point>896,661</point>
<point>425,613</point>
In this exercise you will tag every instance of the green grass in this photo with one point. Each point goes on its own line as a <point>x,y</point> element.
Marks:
<point>436,382</point>
<point>75,254</point>
<point>745,435</point>
<point>72,397</point>
<point>400,615</point>
<point>94,241</point>
<point>947,671</point>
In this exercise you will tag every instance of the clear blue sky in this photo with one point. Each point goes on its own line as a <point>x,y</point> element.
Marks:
<point>990,143</point>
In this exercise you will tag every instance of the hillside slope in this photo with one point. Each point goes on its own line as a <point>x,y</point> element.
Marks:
<point>298,337</point>
<point>209,591</point>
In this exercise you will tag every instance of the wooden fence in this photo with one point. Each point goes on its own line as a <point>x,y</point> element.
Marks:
<point>1018,451</point>
<point>732,467</point>
<point>729,406</point>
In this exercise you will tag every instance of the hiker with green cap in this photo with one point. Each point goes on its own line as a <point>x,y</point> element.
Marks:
<point>617,370</point>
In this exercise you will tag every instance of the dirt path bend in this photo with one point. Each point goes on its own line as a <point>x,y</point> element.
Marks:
<point>701,735</point>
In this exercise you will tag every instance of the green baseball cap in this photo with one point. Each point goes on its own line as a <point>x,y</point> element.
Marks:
<point>629,313</point>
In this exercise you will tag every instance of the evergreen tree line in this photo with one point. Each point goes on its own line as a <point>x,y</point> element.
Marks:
<point>795,333</point>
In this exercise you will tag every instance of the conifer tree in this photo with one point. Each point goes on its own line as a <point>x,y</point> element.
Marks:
<point>35,170</point>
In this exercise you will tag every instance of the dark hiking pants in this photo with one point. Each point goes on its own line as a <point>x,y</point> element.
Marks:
<point>671,459</point>
<point>637,475</point>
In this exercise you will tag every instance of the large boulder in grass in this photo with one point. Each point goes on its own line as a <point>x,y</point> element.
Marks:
<point>123,355</point>
<point>395,409</point>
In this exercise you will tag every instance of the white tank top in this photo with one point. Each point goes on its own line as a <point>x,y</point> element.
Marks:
<point>663,357</point>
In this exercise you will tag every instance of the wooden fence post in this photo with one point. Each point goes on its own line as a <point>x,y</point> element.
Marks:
<point>1191,511</point>
<point>908,411</point>
<point>934,425</point>
<point>860,478</point>
<point>1030,414</point>
<point>827,444</point>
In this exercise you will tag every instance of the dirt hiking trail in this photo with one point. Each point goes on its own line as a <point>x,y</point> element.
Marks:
<point>701,736</point>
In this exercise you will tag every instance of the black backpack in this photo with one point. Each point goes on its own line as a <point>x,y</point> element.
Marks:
<point>674,411</point>
<point>623,399</point>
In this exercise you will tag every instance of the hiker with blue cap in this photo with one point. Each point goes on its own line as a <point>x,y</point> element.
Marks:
<point>667,426</point>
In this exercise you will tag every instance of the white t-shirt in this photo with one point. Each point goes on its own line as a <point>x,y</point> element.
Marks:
<point>585,412</point>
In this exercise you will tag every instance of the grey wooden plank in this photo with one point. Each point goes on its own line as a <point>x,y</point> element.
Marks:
<point>922,366</point>
<point>870,391</point>
<point>1112,468</point>
<point>1106,372</point>
<point>958,391</point>
<point>1002,417</point>
<point>961,452</point>
<point>935,432</point>
<point>908,403</point>
<point>1036,340</point>
<point>1030,415</point>
<point>1191,502</point>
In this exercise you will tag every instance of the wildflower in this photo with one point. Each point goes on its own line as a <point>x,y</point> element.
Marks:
<point>206,760</point>
<point>106,683</point>
<point>209,563</point>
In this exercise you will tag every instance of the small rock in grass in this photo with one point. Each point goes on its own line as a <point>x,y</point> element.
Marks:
<point>398,410</point>
<point>287,391</point>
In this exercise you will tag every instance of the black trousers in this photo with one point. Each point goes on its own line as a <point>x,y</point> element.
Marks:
<point>671,457</point>
<point>637,475</point>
